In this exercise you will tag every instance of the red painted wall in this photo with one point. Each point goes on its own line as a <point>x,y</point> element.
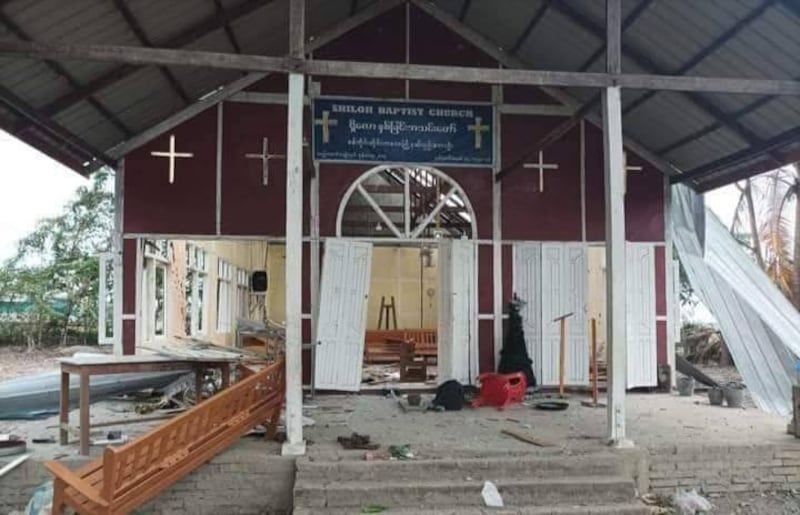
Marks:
<point>529,214</point>
<point>644,200</point>
<point>248,208</point>
<point>128,296</point>
<point>188,205</point>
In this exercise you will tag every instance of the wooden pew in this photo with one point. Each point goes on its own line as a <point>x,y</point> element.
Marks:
<point>128,476</point>
<point>377,350</point>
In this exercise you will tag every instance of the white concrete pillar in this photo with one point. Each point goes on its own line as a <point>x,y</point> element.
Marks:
<point>497,230</point>
<point>295,445</point>
<point>615,264</point>
<point>615,231</point>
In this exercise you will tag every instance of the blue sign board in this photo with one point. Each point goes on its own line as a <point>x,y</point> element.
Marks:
<point>379,131</point>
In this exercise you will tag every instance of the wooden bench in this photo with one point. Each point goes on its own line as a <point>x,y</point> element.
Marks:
<point>376,349</point>
<point>425,342</point>
<point>127,476</point>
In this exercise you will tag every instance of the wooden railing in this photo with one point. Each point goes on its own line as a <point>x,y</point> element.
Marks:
<point>129,475</point>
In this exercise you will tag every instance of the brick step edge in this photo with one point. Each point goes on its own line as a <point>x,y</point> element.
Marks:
<point>489,468</point>
<point>607,509</point>
<point>525,492</point>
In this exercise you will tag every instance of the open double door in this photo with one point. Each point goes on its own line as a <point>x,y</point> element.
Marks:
<point>551,277</point>
<point>342,313</point>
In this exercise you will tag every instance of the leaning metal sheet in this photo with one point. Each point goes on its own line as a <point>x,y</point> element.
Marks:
<point>760,326</point>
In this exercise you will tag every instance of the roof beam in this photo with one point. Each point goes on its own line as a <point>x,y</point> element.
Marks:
<point>134,25</point>
<point>742,157</point>
<point>18,106</point>
<point>646,63</point>
<point>60,70</point>
<point>535,19</point>
<point>170,57</point>
<point>629,20</point>
<point>710,49</point>
<point>494,50</point>
<point>315,42</point>
<point>226,23</point>
<point>792,6</point>
<point>462,15</point>
<point>557,132</point>
<point>613,37</point>
<point>297,28</point>
<point>186,37</point>
<point>716,125</point>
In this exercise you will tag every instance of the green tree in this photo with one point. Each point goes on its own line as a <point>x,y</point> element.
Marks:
<point>54,272</point>
<point>767,223</point>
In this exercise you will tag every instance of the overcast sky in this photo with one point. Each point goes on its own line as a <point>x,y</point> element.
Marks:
<point>33,187</point>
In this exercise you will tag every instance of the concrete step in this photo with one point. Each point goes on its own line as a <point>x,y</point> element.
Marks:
<point>598,490</point>
<point>608,509</point>
<point>492,468</point>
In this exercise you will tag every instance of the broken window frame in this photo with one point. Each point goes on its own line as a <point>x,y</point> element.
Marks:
<point>196,291</point>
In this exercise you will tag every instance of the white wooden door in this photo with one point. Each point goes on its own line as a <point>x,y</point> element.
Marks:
<point>576,271</point>
<point>563,282</point>
<point>641,315</point>
<point>341,322</point>
<point>527,284</point>
<point>458,312</point>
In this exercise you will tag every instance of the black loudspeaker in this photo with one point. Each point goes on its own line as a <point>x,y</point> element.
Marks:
<point>258,281</point>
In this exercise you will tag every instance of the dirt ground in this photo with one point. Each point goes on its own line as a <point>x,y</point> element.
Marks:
<point>17,361</point>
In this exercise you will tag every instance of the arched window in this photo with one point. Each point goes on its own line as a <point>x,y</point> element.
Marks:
<point>405,203</point>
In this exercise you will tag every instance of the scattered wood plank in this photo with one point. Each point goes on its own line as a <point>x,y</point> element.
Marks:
<point>14,464</point>
<point>527,437</point>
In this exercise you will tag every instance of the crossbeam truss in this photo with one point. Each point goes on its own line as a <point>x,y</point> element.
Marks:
<point>656,80</point>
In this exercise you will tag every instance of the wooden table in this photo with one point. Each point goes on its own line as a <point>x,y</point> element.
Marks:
<point>87,367</point>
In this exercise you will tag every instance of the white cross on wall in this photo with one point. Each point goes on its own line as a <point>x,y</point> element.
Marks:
<point>627,170</point>
<point>326,122</point>
<point>265,157</point>
<point>478,128</point>
<point>171,155</point>
<point>541,166</point>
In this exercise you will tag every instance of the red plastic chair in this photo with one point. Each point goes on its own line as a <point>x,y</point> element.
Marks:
<point>500,389</point>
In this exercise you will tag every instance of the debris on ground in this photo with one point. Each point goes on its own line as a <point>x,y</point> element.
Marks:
<point>401,452</point>
<point>449,396</point>
<point>690,502</point>
<point>405,403</point>
<point>381,374</point>
<point>527,437</point>
<point>11,445</point>
<point>357,441</point>
<point>658,501</point>
<point>491,496</point>
<point>14,464</point>
<point>373,508</point>
<point>41,502</point>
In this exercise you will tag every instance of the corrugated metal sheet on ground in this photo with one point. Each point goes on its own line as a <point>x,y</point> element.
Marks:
<point>759,325</point>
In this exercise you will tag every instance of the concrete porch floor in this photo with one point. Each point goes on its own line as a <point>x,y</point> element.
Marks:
<point>681,442</point>
<point>654,421</point>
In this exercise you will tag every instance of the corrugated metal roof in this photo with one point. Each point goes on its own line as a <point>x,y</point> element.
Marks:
<point>736,38</point>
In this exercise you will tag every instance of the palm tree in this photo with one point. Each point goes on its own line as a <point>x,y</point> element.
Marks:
<point>767,222</point>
